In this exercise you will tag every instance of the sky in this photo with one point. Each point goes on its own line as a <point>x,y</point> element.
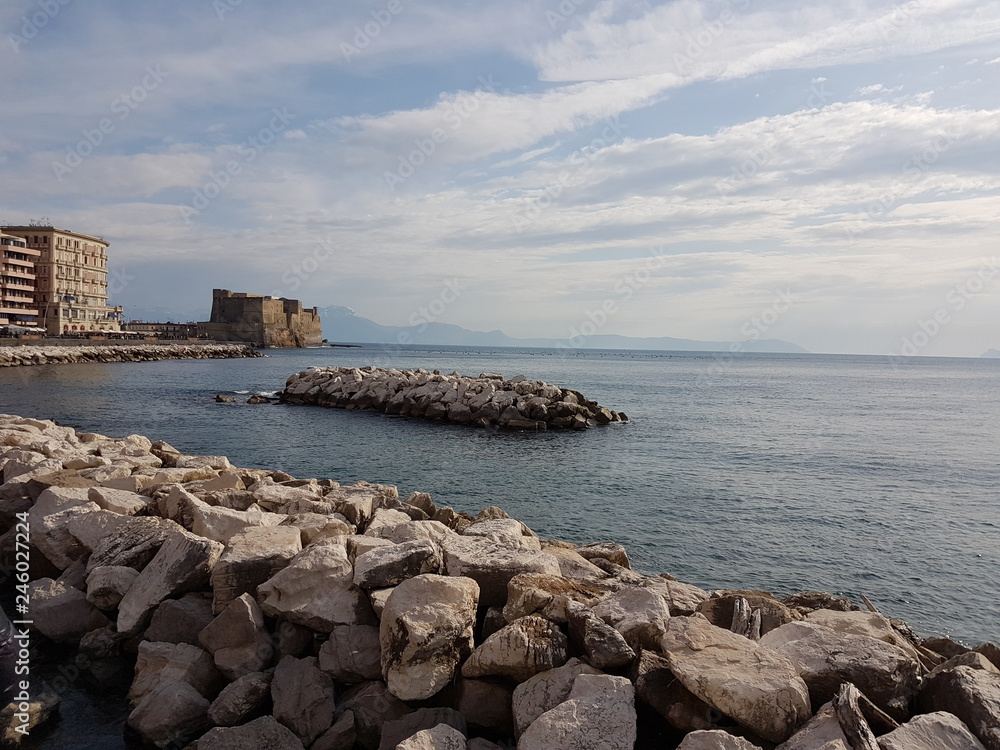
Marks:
<point>823,173</point>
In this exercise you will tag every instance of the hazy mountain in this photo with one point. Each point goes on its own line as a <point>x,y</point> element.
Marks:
<point>991,354</point>
<point>341,325</point>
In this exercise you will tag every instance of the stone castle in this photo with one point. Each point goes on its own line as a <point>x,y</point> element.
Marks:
<point>261,320</point>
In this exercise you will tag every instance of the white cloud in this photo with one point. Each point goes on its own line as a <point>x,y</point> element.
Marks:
<point>833,200</point>
<point>468,125</point>
<point>697,41</point>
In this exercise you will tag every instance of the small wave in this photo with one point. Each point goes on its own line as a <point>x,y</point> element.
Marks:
<point>242,393</point>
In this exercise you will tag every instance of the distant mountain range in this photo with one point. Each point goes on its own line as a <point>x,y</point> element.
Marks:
<point>991,354</point>
<point>341,325</point>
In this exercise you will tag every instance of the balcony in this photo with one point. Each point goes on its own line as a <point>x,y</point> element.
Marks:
<point>13,295</point>
<point>8,310</point>
<point>18,271</point>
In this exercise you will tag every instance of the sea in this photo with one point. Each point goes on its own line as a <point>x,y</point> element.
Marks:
<point>858,475</point>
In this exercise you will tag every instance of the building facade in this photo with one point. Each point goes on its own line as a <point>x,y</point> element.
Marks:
<point>262,321</point>
<point>17,282</point>
<point>71,280</point>
<point>163,330</point>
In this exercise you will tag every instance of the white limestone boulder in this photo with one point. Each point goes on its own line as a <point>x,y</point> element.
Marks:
<point>183,563</point>
<point>937,731</point>
<point>133,543</point>
<point>220,524</point>
<point>601,645</point>
<point>973,695</point>
<point>386,566</point>
<point>164,663</point>
<point>107,585</point>
<point>237,639</point>
<point>757,687</point>
<point>315,527</point>
<point>264,733</point>
<point>317,590</point>
<point>871,624</point>
<point>119,501</point>
<point>62,613</point>
<point>492,564</point>
<point>549,596</point>
<point>352,654</point>
<point>441,737</point>
<point>170,715</point>
<point>241,699</point>
<point>519,651</point>
<point>508,531</point>
<point>598,715</point>
<point>181,620</point>
<point>639,614</point>
<point>715,739</point>
<point>252,556</point>
<point>425,633</point>
<point>826,659</point>
<point>384,520</point>
<point>303,697</point>
<point>544,691</point>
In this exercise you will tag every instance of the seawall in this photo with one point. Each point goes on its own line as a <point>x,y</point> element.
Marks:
<point>484,401</point>
<point>256,609</point>
<point>14,356</point>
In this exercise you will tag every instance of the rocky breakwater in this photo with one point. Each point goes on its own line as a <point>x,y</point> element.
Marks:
<point>259,610</point>
<point>486,401</point>
<point>14,356</point>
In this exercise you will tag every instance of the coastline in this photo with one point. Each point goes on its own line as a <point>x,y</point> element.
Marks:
<point>298,590</point>
<point>24,355</point>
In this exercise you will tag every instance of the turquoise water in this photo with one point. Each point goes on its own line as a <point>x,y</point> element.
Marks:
<point>780,472</point>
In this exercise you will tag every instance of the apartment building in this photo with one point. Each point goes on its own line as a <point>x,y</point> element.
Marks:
<point>71,280</point>
<point>17,282</point>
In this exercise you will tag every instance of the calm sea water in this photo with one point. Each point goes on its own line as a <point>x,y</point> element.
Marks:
<point>780,472</point>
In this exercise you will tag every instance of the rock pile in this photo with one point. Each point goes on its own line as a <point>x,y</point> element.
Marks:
<point>267,611</point>
<point>486,401</point>
<point>13,356</point>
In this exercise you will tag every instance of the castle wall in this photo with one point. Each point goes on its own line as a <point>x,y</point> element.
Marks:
<point>262,321</point>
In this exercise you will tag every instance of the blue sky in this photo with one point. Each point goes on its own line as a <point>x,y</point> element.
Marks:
<point>828,174</point>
